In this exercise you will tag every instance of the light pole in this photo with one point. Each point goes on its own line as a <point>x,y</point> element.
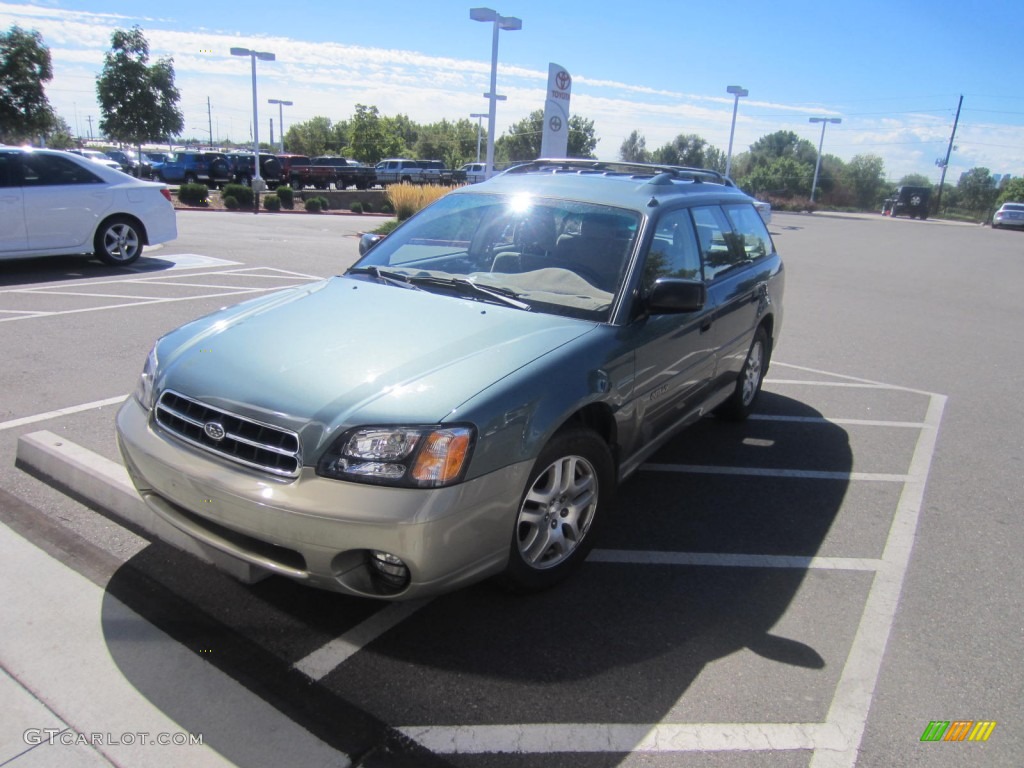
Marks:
<point>479,125</point>
<point>257,182</point>
<point>510,23</point>
<point>280,117</point>
<point>738,92</point>
<point>817,166</point>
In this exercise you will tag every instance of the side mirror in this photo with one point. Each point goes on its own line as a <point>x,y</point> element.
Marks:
<point>673,295</point>
<point>367,241</point>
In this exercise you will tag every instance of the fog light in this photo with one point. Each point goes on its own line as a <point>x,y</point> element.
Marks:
<point>389,569</point>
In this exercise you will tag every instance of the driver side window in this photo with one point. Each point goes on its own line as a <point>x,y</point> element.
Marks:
<point>673,252</point>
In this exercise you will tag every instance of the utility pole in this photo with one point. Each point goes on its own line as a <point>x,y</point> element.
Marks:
<point>89,118</point>
<point>209,118</point>
<point>949,151</point>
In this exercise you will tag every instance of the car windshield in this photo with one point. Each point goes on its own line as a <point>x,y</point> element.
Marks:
<point>1013,207</point>
<point>545,255</point>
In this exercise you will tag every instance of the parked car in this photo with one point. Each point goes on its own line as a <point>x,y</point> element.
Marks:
<point>97,157</point>
<point>55,203</point>
<point>398,170</point>
<point>195,167</point>
<point>347,173</point>
<point>124,161</point>
<point>147,161</point>
<point>475,172</point>
<point>242,168</point>
<point>908,201</point>
<point>1009,215</point>
<point>463,401</point>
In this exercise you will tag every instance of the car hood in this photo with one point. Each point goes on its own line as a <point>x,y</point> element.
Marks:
<point>347,351</point>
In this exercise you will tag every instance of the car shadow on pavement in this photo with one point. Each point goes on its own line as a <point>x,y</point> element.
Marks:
<point>673,592</point>
<point>55,269</point>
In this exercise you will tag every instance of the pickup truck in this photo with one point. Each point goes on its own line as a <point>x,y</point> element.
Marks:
<point>399,170</point>
<point>298,171</point>
<point>348,173</point>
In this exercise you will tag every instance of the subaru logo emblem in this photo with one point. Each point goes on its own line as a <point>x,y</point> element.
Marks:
<point>214,431</point>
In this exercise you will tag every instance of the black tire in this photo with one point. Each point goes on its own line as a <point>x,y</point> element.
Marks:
<point>296,182</point>
<point>744,398</point>
<point>570,490</point>
<point>118,241</point>
<point>191,178</point>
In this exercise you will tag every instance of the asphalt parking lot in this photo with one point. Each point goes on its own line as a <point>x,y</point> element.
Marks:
<point>794,590</point>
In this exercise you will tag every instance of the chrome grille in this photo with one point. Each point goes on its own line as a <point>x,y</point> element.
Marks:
<point>236,438</point>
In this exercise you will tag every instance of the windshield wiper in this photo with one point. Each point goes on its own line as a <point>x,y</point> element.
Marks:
<point>385,276</point>
<point>502,295</point>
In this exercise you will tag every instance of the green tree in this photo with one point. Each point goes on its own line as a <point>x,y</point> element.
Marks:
<point>452,142</point>
<point>690,150</point>
<point>634,149</point>
<point>977,189</point>
<point>138,100</point>
<point>59,136</point>
<point>1011,192</point>
<point>25,66</point>
<point>312,137</point>
<point>522,141</point>
<point>372,137</point>
<point>782,144</point>
<point>782,176</point>
<point>915,180</point>
<point>864,175</point>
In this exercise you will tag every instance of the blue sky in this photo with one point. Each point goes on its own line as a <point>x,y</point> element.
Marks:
<point>893,71</point>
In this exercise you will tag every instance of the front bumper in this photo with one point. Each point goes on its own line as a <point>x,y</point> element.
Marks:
<point>321,531</point>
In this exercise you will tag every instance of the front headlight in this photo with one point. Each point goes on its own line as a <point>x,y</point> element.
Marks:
<point>144,390</point>
<point>413,457</point>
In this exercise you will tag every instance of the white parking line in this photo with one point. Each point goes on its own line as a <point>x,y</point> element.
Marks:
<point>639,557</point>
<point>61,412</point>
<point>803,474</point>
<point>329,656</point>
<point>840,422</point>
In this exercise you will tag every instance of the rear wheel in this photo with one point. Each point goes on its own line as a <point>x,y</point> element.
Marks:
<point>570,489</point>
<point>748,386</point>
<point>118,242</point>
<point>191,178</point>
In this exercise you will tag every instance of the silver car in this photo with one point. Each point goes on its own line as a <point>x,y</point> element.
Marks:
<point>463,401</point>
<point>1009,215</point>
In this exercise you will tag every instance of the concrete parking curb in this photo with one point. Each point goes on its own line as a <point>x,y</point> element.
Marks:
<point>105,484</point>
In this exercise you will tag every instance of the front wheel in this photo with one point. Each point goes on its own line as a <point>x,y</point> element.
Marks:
<point>570,489</point>
<point>748,386</point>
<point>118,242</point>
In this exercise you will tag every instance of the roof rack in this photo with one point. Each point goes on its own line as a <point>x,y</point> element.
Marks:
<point>621,168</point>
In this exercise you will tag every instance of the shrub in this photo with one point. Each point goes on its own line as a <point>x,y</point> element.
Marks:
<point>231,203</point>
<point>287,196</point>
<point>368,207</point>
<point>272,203</point>
<point>313,205</point>
<point>356,207</point>
<point>386,228</point>
<point>325,204</point>
<point>241,193</point>
<point>194,194</point>
<point>386,207</point>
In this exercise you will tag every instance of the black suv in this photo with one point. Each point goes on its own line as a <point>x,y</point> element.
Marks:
<point>908,201</point>
<point>242,168</point>
<point>192,167</point>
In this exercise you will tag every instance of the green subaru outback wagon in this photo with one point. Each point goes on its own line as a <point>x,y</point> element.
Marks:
<point>464,400</point>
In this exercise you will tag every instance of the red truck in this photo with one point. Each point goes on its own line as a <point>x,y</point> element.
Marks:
<point>320,172</point>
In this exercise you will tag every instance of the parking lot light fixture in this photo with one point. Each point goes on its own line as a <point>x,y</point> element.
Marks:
<point>817,166</point>
<point>738,92</point>
<point>510,24</point>
<point>280,118</point>
<point>262,56</point>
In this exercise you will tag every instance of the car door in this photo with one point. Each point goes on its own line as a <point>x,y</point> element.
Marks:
<point>675,353</point>
<point>735,246</point>
<point>13,235</point>
<point>63,202</point>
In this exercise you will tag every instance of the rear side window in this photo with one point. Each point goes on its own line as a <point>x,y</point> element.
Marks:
<point>714,233</point>
<point>52,171</point>
<point>751,235</point>
<point>673,251</point>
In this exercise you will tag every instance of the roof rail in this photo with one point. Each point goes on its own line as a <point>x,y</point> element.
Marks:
<point>621,168</point>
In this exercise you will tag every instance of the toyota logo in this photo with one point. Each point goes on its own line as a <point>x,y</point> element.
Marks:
<point>214,430</point>
<point>562,80</point>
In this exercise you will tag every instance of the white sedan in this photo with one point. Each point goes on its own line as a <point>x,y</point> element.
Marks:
<point>55,203</point>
